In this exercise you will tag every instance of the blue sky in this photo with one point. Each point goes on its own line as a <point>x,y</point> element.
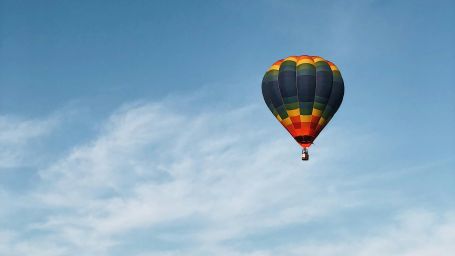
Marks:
<point>138,128</point>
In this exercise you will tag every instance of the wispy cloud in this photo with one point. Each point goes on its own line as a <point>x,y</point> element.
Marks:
<point>202,182</point>
<point>413,232</point>
<point>17,135</point>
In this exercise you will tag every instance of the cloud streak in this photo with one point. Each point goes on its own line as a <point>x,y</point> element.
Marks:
<point>203,183</point>
<point>17,135</point>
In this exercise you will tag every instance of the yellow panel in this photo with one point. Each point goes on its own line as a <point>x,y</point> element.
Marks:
<point>332,66</point>
<point>301,61</point>
<point>293,112</point>
<point>317,58</point>
<point>321,121</point>
<point>291,58</point>
<point>316,112</point>
<point>274,67</point>
<point>278,118</point>
<point>287,121</point>
<point>305,118</point>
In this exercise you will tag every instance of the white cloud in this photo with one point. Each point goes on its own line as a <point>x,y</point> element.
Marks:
<point>202,178</point>
<point>152,165</point>
<point>16,136</point>
<point>413,233</point>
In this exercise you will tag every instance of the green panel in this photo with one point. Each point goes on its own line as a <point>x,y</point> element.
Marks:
<point>306,69</point>
<point>306,66</point>
<point>323,66</point>
<point>328,111</point>
<point>294,105</point>
<point>306,108</point>
<point>282,112</point>
<point>287,66</point>
<point>337,76</point>
<point>271,76</point>
<point>289,100</point>
<point>319,106</point>
<point>320,99</point>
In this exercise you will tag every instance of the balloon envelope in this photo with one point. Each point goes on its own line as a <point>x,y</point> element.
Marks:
<point>303,93</point>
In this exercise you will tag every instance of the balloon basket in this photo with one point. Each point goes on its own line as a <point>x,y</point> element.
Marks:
<point>305,154</point>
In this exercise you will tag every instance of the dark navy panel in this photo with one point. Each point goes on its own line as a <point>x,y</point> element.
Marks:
<point>271,91</point>
<point>306,86</point>
<point>324,82</point>
<point>287,79</point>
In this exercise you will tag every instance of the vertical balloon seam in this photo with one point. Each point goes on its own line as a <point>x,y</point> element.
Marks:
<point>299,131</point>
<point>274,108</point>
<point>269,103</point>
<point>282,90</point>
<point>319,86</point>
<point>294,122</point>
<point>291,131</point>
<point>306,119</point>
<point>276,82</point>
<point>324,119</point>
<point>269,87</point>
<point>341,96</point>
<point>337,104</point>
<point>268,100</point>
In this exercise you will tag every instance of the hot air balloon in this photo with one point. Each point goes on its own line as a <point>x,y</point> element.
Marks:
<point>303,93</point>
